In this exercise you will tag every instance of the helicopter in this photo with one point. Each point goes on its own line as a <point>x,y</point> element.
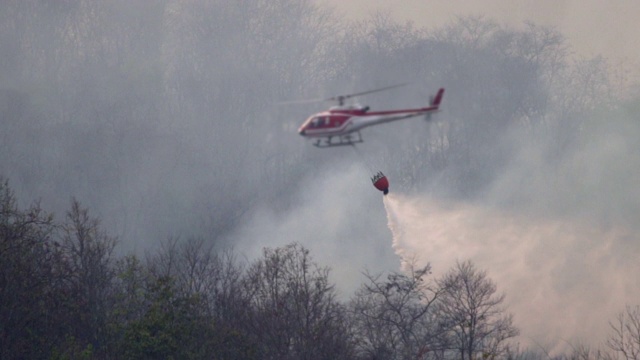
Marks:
<point>341,124</point>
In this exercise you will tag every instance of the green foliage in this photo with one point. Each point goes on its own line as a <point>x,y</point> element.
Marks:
<point>155,335</point>
<point>72,350</point>
<point>172,326</point>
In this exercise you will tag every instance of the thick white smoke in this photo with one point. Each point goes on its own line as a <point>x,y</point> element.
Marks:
<point>557,229</point>
<point>564,280</point>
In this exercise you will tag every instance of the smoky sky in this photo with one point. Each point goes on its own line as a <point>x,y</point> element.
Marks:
<point>592,27</point>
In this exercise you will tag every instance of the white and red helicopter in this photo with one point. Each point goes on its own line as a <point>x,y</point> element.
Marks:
<point>341,125</point>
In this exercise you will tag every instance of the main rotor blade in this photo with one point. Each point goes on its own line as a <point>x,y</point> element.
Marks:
<point>303,101</point>
<point>339,98</point>
<point>343,97</point>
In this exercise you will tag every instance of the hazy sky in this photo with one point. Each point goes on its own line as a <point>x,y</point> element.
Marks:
<point>591,26</point>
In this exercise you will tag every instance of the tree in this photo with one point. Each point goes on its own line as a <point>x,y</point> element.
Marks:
<point>472,311</point>
<point>209,283</point>
<point>89,262</point>
<point>625,337</point>
<point>166,328</point>
<point>395,319</point>
<point>28,283</point>
<point>294,313</point>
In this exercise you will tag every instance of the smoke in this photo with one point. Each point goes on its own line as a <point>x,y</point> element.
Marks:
<point>592,26</point>
<point>335,214</point>
<point>556,234</point>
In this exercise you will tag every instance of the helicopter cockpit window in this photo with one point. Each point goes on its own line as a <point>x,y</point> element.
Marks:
<point>317,122</point>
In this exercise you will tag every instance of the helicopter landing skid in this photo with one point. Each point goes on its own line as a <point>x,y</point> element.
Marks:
<point>342,140</point>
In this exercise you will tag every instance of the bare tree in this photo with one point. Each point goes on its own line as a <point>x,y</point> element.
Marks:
<point>395,319</point>
<point>625,337</point>
<point>472,311</point>
<point>90,262</point>
<point>26,280</point>
<point>295,314</point>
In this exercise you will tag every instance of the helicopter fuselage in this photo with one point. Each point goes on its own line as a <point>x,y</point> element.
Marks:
<point>341,121</point>
<point>337,121</point>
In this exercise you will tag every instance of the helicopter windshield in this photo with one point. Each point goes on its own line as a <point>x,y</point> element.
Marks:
<point>318,121</point>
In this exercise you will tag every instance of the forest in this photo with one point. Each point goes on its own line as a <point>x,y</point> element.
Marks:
<point>140,141</point>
